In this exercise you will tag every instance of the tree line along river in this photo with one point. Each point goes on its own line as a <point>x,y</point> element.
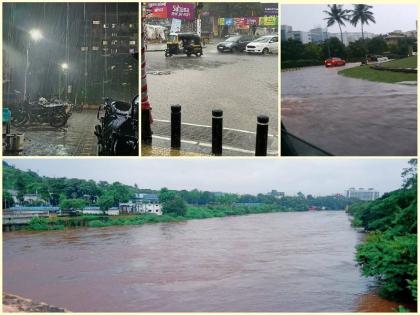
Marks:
<point>281,262</point>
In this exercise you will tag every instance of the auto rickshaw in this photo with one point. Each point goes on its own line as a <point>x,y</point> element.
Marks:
<point>183,43</point>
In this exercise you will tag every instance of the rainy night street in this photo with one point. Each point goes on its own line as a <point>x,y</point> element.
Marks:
<point>243,86</point>
<point>62,58</point>
<point>76,138</point>
<point>347,116</point>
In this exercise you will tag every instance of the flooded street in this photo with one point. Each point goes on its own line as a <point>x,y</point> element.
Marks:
<point>243,86</point>
<point>267,262</point>
<point>76,138</point>
<point>348,116</point>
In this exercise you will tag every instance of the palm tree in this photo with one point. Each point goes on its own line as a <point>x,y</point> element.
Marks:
<point>336,14</point>
<point>361,13</point>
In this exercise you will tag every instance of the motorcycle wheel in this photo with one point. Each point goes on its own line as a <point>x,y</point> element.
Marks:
<point>58,120</point>
<point>99,150</point>
<point>120,148</point>
<point>20,119</point>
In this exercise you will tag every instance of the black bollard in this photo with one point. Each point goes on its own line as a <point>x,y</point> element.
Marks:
<point>175,126</point>
<point>146,130</point>
<point>262,136</point>
<point>217,132</point>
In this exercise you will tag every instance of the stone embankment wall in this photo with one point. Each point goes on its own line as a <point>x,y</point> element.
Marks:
<point>14,303</point>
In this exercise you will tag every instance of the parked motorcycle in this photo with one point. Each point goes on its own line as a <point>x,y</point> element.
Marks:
<point>117,132</point>
<point>41,111</point>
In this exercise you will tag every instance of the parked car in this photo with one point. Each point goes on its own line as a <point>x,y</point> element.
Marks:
<point>382,59</point>
<point>334,62</point>
<point>263,45</point>
<point>234,43</point>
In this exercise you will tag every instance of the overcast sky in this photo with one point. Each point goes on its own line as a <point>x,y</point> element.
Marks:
<point>389,17</point>
<point>314,176</point>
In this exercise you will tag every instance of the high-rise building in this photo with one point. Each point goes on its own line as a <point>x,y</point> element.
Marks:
<point>362,194</point>
<point>303,37</point>
<point>107,42</point>
<point>318,34</point>
<point>286,32</point>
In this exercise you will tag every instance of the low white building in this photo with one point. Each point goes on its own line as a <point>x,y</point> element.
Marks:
<point>113,211</point>
<point>369,194</point>
<point>92,210</point>
<point>142,203</point>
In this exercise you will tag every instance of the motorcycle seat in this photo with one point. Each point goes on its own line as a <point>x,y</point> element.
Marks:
<point>122,108</point>
<point>52,105</point>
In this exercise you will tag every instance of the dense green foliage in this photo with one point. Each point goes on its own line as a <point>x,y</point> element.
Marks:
<point>390,250</point>
<point>67,204</point>
<point>296,54</point>
<point>287,203</point>
<point>65,192</point>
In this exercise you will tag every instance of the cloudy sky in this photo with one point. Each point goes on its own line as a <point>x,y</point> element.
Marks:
<point>389,17</point>
<point>314,176</point>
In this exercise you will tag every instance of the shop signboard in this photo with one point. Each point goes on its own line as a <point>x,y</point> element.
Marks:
<point>182,11</point>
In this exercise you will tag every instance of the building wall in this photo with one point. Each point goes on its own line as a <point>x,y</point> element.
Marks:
<point>362,194</point>
<point>141,207</point>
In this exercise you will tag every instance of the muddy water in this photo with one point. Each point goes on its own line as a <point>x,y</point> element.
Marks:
<point>348,116</point>
<point>266,262</point>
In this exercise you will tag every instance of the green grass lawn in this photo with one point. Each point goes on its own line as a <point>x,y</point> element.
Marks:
<point>409,62</point>
<point>367,73</point>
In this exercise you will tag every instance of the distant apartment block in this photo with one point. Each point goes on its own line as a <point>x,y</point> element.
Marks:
<point>286,32</point>
<point>303,37</point>
<point>362,194</point>
<point>349,37</point>
<point>319,34</point>
<point>276,194</point>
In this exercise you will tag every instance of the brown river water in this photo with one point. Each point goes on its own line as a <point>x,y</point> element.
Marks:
<point>266,262</point>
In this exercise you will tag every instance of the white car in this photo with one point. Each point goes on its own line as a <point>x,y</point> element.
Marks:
<point>264,45</point>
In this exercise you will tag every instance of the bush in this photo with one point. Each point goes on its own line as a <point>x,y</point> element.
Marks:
<point>98,223</point>
<point>287,64</point>
<point>38,224</point>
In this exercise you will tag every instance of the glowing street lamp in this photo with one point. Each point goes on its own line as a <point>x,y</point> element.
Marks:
<point>64,66</point>
<point>35,35</point>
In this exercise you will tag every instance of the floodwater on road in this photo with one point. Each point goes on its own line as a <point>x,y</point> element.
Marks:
<point>76,138</point>
<point>348,116</point>
<point>243,86</point>
<point>296,261</point>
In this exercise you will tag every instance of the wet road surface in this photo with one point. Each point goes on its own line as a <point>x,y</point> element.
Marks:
<point>267,262</point>
<point>243,86</point>
<point>76,138</point>
<point>347,116</point>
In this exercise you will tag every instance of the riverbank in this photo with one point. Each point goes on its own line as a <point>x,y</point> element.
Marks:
<point>193,213</point>
<point>14,304</point>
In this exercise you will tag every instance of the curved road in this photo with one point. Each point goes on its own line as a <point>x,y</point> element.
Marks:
<point>348,116</point>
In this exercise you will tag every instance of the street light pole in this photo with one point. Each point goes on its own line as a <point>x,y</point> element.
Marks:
<point>64,67</point>
<point>26,70</point>
<point>35,35</point>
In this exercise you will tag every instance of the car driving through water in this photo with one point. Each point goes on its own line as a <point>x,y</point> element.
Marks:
<point>264,45</point>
